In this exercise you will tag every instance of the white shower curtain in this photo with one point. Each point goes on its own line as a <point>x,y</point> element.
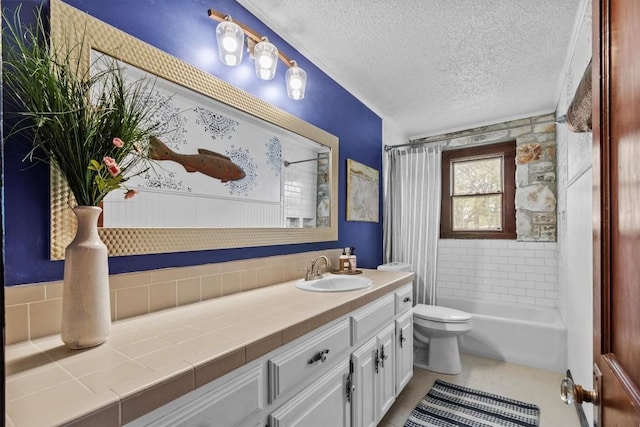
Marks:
<point>412,213</point>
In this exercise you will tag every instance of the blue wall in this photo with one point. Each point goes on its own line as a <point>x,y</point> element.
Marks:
<point>183,29</point>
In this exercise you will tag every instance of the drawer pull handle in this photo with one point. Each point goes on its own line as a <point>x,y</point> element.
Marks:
<point>407,299</point>
<point>319,356</point>
<point>402,339</point>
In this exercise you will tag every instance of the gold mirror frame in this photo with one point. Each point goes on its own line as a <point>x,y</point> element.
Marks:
<point>99,36</point>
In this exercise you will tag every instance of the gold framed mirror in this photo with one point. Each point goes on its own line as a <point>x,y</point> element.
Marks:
<point>67,25</point>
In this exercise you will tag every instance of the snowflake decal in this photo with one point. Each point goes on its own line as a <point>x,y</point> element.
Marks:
<point>242,158</point>
<point>164,182</point>
<point>171,123</point>
<point>274,154</point>
<point>217,125</point>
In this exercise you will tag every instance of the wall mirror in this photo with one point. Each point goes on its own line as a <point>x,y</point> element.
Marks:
<point>287,192</point>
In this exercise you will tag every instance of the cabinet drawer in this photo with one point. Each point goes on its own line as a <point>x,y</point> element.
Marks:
<point>404,298</point>
<point>368,321</point>
<point>307,360</point>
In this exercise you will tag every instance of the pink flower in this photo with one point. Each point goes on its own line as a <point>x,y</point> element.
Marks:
<point>129,194</point>
<point>118,142</point>
<point>114,169</point>
<point>109,161</point>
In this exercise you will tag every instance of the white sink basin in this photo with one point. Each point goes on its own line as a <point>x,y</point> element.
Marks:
<point>334,283</point>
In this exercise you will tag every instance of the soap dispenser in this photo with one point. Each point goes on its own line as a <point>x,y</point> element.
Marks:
<point>353,260</point>
<point>344,260</point>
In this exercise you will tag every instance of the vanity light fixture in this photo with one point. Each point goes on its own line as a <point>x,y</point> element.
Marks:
<point>230,37</point>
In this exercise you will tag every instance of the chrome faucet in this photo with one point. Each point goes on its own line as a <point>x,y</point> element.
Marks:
<point>313,273</point>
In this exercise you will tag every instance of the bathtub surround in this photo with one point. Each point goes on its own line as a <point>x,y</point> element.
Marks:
<point>498,270</point>
<point>34,311</point>
<point>535,169</point>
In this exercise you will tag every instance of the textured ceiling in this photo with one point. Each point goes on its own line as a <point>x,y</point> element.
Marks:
<point>433,66</point>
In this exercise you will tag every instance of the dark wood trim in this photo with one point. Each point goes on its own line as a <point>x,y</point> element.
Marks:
<point>506,149</point>
<point>601,146</point>
<point>625,380</point>
<point>596,64</point>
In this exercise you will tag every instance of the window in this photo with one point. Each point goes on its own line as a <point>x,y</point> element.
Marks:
<point>478,192</point>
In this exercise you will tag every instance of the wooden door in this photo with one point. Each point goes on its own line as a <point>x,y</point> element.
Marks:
<point>616,171</point>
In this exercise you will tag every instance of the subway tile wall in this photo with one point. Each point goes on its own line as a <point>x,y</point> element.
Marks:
<point>35,310</point>
<point>498,270</point>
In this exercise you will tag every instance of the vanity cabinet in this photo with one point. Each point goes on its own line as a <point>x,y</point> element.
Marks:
<point>345,373</point>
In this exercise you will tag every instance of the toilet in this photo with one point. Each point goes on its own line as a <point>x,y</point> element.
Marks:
<point>435,332</point>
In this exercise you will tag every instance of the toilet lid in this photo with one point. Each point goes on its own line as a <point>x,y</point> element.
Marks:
<point>440,314</point>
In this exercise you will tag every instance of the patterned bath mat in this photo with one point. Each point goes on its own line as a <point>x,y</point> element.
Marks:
<point>452,405</point>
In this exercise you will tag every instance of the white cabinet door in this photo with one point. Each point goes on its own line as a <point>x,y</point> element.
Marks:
<point>365,364</point>
<point>374,378</point>
<point>322,404</point>
<point>223,403</point>
<point>404,350</point>
<point>386,379</point>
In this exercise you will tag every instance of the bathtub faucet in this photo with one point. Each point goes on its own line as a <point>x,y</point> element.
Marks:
<point>313,273</point>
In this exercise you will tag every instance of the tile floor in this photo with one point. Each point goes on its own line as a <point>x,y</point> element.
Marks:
<point>492,376</point>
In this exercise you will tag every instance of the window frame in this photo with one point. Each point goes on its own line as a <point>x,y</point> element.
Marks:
<point>507,150</point>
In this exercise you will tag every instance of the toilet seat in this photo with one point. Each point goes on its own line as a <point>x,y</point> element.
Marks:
<point>436,313</point>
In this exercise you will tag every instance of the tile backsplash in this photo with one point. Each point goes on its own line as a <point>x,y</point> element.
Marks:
<point>499,270</point>
<point>35,310</point>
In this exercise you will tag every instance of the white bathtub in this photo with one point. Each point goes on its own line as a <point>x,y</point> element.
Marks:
<point>529,336</point>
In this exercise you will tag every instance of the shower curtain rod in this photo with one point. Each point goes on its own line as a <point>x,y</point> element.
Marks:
<point>421,141</point>
<point>287,163</point>
<point>414,144</point>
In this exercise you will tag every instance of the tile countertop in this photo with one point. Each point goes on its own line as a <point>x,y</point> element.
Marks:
<point>150,360</point>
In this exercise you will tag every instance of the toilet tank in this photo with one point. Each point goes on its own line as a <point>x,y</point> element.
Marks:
<point>395,266</point>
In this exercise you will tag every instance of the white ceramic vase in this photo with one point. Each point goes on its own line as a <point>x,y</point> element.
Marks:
<point>86,306</point>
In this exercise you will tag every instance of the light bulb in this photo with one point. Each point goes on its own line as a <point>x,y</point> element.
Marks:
<point>229,42</point>
<point>230,39</point>
<point>266,57</point>
<point>265,61</point>
<point>265,74</point>
<point>230,60</point>
<point>295,83</point>
<point>296,79</point>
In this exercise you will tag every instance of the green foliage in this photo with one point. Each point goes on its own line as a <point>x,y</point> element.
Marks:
<point>72,116</point>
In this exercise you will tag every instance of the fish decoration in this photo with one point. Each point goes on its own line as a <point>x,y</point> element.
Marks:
<point>206,162</point>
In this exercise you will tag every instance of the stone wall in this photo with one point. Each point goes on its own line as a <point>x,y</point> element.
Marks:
<point>535,169</point>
